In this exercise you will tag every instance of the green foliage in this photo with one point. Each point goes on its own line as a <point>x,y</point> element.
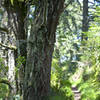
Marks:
<point>98,97</point>
<point>67,32</point>
<point>4,91</point>
<point>12,2</point>
<point>20,61</point>
<point>66,48</point>
<point>65,54</point>
<point>90,82</point>
<point>88,90</point>
<point>60,82</point>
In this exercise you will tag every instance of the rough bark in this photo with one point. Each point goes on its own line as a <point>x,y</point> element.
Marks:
<point>85,19</point>
<point>16,34</point>
<point>40,48</point>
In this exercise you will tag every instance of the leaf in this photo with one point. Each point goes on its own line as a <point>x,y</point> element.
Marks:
<point>12,2</point>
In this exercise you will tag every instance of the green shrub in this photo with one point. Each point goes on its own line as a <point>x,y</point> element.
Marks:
<point>61,86</point>
<point>4,91</point>
<point>98,97</point>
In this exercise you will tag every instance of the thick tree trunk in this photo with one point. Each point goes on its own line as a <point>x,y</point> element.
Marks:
<point>85,19</point>
<point>16,32</point>
<point>40,48</point>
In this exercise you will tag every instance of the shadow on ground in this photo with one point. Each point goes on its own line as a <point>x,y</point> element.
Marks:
<point>58,95</point>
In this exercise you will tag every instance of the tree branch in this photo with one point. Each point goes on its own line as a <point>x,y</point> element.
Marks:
<point>9,47</point>
<point>6,82</point>
<point>4,29</point>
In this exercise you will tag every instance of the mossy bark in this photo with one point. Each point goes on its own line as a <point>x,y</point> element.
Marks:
<point>16,15</point>
<point>40,48</point>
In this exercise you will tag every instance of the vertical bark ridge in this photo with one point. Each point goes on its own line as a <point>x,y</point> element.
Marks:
<point>16,17</point>
<point>40,49</point>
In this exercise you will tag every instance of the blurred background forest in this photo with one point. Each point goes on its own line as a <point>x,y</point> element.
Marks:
<point>76,56</point>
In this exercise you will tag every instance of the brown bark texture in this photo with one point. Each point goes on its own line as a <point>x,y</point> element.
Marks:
<point>40,48</point>
<point>16,15</point>
<point>85,23</point>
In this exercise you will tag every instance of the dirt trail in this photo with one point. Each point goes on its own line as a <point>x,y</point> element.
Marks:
<point>75,78</point>
<point>77,94</point>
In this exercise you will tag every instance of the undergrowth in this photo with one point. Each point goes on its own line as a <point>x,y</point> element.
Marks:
<point>89,86</point>
<point>60,83</point>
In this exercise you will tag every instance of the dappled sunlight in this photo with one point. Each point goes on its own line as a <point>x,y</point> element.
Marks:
<point>49,50</point>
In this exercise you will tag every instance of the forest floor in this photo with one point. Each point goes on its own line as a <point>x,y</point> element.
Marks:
<point>77,94</point>
<point>75,78</point>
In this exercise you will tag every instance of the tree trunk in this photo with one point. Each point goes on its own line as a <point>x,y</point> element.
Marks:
<point>40,48</point>
<point>85,19</point>
<point>16,32</point>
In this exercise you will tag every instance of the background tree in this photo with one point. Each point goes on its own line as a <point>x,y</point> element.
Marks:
<point>40,48</point>
<point>15,15</point>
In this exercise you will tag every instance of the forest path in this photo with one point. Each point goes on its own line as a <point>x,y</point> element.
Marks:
<point>75,78</point>
<point>77,94</point>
